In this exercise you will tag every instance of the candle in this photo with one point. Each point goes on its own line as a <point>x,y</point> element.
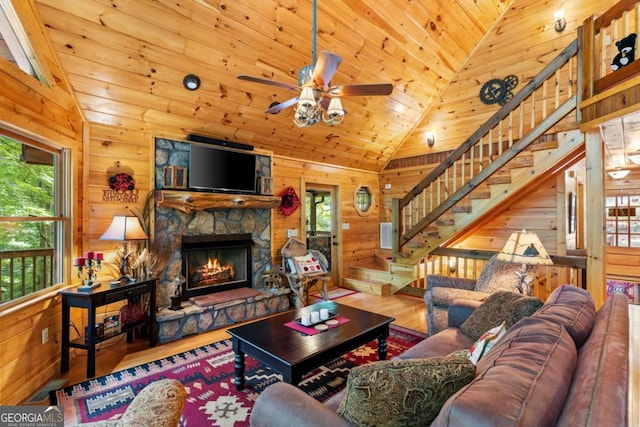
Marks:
<point>79,262</point>
<point>306,319</point>
<point>315,317</point>
<point>324,314</point>
<point>99,256</point>
<point>90,255</point>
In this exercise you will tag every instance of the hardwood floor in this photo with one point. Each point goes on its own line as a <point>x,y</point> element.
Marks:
<point>116,354</point>
<point>408,311</point>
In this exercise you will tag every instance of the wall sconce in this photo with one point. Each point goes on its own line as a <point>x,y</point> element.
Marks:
<point>453,265</point>
<point>191,82</point>
<point>430,137</point>
<point>560,22</point>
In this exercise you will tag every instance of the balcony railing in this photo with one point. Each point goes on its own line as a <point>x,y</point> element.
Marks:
<point>25,272</point>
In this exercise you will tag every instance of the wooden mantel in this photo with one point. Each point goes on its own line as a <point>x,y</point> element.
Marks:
<point>190,201</point>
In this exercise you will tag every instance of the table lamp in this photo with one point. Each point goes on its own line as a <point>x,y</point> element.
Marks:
<point>525,248</point>
<point>124,229</point>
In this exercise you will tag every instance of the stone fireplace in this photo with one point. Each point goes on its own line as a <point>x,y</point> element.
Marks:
<point>172,225</point>
<point>187,237</point>
<point>212,263</point>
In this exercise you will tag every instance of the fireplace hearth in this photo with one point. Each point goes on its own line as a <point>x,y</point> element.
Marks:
<point>215,263</point>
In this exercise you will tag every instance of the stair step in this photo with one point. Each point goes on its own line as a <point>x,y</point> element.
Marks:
<point>461,209</point>
<point>445,221</point>
<point>524,160</point>
<point>369,272</point>
<point>480,194</point>
<point>431,232</point>
<point>500,177</point>
<point>366,286</point>
<point>546,145</point>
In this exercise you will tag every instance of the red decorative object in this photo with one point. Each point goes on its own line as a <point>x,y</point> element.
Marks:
<point>290,201</point>
<point>121,182</point>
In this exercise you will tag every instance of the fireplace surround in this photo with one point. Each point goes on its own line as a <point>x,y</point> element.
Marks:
<point>214,263</point>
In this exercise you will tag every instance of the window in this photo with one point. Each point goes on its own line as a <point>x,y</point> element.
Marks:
<point>363,199</point>
<point>32,225</point>
<point>623,221</point>
<point>14,43</point>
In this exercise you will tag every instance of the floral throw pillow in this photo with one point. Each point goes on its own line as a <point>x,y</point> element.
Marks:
<point>407,392</point>
<point>307,264</point>
<point>486,342</point>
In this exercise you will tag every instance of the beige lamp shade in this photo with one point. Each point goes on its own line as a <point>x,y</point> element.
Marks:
<point>123,228</point>
<point>525,248</point>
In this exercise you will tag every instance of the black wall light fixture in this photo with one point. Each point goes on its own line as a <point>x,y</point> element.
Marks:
<point>191,82</point>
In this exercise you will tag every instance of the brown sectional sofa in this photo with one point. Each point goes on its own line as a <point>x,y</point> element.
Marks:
<point>566,365</point>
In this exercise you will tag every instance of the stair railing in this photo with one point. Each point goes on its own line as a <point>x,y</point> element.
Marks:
<point>547,98</point>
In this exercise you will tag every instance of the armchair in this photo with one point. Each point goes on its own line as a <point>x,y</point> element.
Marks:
<point>442,290</point>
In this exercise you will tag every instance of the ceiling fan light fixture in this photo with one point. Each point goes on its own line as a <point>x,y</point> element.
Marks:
<point>307,98</point>
<point>335,112</point>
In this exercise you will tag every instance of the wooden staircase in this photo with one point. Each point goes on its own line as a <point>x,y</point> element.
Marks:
<point>501,161</point>
<point>381,276</point>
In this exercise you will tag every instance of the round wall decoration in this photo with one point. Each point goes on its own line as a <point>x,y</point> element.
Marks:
<point>498,91</point>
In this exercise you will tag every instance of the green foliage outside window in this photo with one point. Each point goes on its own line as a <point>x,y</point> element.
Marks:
<point>27,219</point>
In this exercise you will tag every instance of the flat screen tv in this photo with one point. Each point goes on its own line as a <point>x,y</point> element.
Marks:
<point>221,170</point>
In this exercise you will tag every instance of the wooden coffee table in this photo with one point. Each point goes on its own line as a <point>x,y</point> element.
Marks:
<point>292,353</point>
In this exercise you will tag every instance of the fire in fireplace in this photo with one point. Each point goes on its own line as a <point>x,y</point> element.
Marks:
<point>214,263</point>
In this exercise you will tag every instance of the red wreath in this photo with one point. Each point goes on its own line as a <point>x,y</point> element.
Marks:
<point>290,201</point>
<point>121,182</point>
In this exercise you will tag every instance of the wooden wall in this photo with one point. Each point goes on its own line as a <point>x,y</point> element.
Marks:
<point>45,113</point>
<point>528,24</point>
<point>360,240</point>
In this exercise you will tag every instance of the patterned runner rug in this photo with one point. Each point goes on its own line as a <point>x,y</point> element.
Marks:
<point>207,373</point>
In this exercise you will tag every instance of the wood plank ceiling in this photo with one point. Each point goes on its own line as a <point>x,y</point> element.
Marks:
<point>126,60</point>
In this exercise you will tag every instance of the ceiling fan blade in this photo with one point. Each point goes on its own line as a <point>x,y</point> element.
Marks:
<point>374,89</point>
<point>267,82</point>
<point>326,66</point>
<point>275,109</point>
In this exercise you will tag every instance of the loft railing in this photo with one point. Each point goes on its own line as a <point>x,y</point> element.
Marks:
<point>545,100</point>
<point>464,263</point>
<point>24,272</point>
<point>598,37</point>
<point>606,92</point>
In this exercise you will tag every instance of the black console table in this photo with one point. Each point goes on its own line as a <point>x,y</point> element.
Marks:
<point>100,296</point>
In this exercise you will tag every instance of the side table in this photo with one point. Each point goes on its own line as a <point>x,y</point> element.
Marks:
<point>100,296</point>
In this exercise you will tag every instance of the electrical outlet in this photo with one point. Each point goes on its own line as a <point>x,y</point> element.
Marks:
<point>45,335</point>
<point>292,232</point>
<point>387,186</point>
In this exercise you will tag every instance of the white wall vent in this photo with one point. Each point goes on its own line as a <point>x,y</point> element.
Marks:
<point>385,235</point>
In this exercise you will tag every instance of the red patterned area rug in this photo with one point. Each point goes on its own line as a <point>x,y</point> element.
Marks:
<point>207,373</point>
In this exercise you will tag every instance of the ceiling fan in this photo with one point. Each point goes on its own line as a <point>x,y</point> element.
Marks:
<point>318,99</point>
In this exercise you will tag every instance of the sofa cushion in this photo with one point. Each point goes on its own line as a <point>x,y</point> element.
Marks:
<point>571,307</point>
<point>501,306</point>
<point>522,307</point>
<point>403,392</point>
<point>523,380</point>
<point>598,394</point>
